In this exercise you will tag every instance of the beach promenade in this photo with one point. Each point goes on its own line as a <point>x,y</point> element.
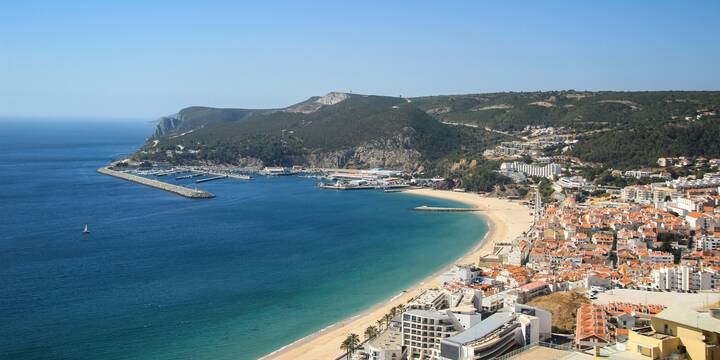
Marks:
<point>506,220</point>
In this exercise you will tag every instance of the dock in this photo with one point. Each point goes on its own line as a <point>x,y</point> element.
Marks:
<point>386,188</point>
<point>180,190</point>
<point>188,176</point>
<point>239,177</point>
<point>345,187</point>
<point>444,209</point>
<point>218,177</point>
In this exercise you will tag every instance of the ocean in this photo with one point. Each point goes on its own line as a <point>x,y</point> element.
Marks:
<point>263,264</point>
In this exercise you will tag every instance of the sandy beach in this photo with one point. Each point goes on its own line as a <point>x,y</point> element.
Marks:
<point>506,220</point>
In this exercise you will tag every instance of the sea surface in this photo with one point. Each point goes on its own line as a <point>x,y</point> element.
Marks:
<point>263,264</point>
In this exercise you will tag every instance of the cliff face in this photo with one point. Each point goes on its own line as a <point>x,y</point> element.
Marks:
<point>395,153</point>
<point>166,125</point>
<point>337,130</point>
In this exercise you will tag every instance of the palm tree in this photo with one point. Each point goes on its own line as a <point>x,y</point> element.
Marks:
<point>371,332</point>
<point>350,344</point>
<point>354,341</point>
<point>379,323</point>
<point>387,319</point>
<point>345,346</point>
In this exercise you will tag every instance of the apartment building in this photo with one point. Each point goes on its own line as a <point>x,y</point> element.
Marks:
<point>682,278</point>
<point>679,332</point>
<point>422,331</point>
<point>708,242</point>
<point>549,171</point>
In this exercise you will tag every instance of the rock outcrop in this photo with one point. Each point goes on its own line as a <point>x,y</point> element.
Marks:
<point>395,152</point>
<point>167,125</point>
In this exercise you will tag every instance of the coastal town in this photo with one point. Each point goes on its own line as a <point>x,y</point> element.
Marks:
<point>589,270</point>
<point>583,258</point>
<point>642,260</point>
<point>359,180</point>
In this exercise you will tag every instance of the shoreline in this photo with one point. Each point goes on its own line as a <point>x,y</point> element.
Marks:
<point>505,220</point>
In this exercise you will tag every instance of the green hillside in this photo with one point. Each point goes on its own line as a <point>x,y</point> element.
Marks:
<point>580,110</point>
<point>362,130</point>
<point>642,146</point>
<point>283,137</point>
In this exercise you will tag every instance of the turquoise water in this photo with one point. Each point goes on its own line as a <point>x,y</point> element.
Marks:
<point>163,277</point>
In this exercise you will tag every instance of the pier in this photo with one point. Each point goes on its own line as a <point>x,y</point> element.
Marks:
<point>444,209</point>
<point>346,187</point>
<point>386,188</point>
<point>188,176</point>
<point>180,190</point>
<point>218,175</point>
<point>211,179</point>
<point>238,177</point>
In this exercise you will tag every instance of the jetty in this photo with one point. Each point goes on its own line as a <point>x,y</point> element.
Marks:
<point>238,176</point>
<point>345,187</point>
<point>188,176</point>
<point>219,175</point>
<point>180,190</point>
<point>211,179</point>
<point>444,209</point>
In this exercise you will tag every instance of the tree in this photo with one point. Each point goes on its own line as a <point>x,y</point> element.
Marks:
<point>345,346</point>
<point>350,344</point>
<point>379,323</point>
<point>387,318</point>
<point>371,332</point>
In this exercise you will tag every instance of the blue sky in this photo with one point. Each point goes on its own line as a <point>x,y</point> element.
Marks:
<point>149,58</point>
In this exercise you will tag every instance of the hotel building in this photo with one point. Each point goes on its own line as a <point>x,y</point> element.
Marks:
<point>550,171</point>
<point>498,334</point>
<point>422,331</point>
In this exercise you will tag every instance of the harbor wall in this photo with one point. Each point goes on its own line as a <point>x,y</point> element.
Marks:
<point>180,190</point>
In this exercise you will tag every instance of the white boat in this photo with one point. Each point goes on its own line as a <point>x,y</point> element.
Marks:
<point>85,230</point>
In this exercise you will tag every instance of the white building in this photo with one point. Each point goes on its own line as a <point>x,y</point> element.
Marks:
<point>431,299</point>
<point>656,257</point>
<point>386,346</point>
<point>422,331</point>
<point>642,194</point>
<point>707,182</point>
<point>638,174</point>
<point>707,242</point>
<point>460,273</point>
<point>549,171</point>
<point>682,278</point>
<point>498,334</point>
<point>573,183</point>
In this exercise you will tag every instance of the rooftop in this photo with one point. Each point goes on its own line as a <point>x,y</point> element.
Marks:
<point>429,314</point>
<point>482,329</point>
<point>690,318</point>
<point>388,340</point>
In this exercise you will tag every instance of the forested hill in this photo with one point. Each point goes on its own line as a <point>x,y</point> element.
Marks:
<point>336,130</point>
<point>580,110</point>
<point>348,130</point>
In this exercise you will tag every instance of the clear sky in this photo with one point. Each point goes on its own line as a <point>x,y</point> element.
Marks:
<point>150,58</point>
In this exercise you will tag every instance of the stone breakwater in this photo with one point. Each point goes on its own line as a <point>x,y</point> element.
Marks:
<point>180,190</point>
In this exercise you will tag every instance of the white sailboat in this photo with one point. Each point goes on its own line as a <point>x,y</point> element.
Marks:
<point>85,230</point>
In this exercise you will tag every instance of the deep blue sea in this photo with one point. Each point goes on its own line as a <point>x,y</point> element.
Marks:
<point>263,264</point>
